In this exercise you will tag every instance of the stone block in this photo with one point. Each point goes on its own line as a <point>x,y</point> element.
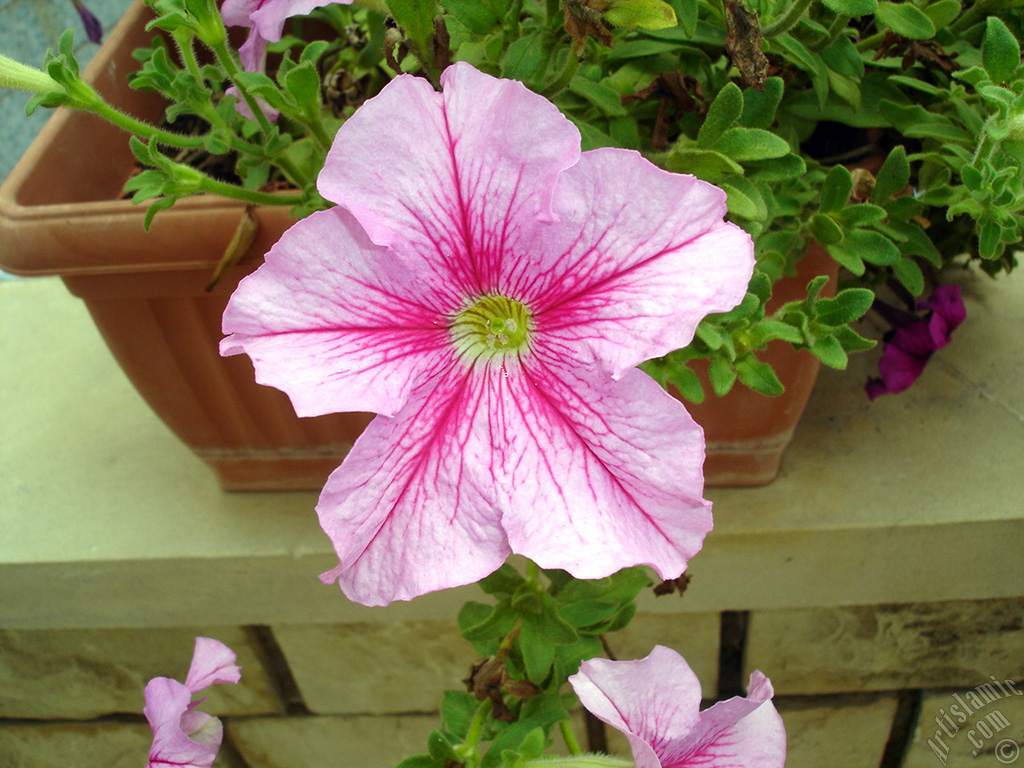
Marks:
<point>693,635</point>
<point>848,731</point>
<point>977,727</point>
<point>383,668</point>
<point>81,674</point>
<point>887,647</point>
<point>74,745</point>
<point>314,742</point>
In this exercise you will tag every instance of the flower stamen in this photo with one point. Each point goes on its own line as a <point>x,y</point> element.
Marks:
<point>491,325</point>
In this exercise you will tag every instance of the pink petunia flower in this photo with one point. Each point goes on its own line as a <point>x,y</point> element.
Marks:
<point>266,19</point>
<point>909,348</point>
<point>488,290</point>
<point>184,737</point>
<point>655,702</point>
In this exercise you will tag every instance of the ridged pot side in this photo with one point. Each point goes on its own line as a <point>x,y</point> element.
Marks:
<point>747,432</point>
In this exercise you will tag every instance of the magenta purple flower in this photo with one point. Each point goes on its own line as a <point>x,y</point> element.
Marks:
<point>910,346</point>
<point>488,290</point>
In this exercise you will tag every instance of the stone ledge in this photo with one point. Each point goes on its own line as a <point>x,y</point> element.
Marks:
<point>110,522</point>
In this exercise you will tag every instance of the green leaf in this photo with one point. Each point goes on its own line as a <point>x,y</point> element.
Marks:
<point>846,256</point>
<point>538,652</point>
<point>824,229</point>
<point>645,14</point>
<point>861,214</point>
<point>852,7</point>
<point>502,582</point>
<point>872,246</point>
<point>830,352</point>
<point>847,306</point>
<point>836,189</point>
<point>687,11</point>
<point>743,199</point>
<point>421,761</point>
<point>1000,51</point>
<point>540,711</point>
<point>758,376</point>
<point>943,13</point>
<point>909,274</point>
<point>524,57</point>
<point>743,144</point>
<point>759,106</point>
<point>303,82</point>
<point>722,375</point>
<point>479,17</point>
<point>706,164</point>
<point>440,748</point>
<point>457,710</point>
<point>893,176</point>
<point>851,341</point>
<point>416,17</point>
<point>498,623</point>
<point>906,19</point>
<point>811,62</point>
<point>606,99</point>
<point>725,110</point>
<point>843,58</point>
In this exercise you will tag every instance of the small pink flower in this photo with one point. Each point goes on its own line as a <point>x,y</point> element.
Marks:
<point>488,290</point>
<point>656,703</point>
<point>184,737</point>
<point>266,19</point>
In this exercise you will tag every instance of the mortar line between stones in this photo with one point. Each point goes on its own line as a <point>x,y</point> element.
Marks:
<point>908,710</point>
<point>282,682</point>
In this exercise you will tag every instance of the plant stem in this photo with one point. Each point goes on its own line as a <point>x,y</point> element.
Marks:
<point>869,43</point>
<point>976,11</point>
<point>570,738</point>
<point>560,83</point>
<point>787,20</point>
<point>227,60</point>
<point>144,130</point>
<point>469,750</point>
<point>834,30</point>
<point>248,195</point>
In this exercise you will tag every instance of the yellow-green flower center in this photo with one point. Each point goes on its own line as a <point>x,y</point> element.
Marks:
<point>491,325</point>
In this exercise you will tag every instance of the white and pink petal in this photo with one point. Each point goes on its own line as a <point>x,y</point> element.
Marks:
<point>452,177</point>
<point>412,509</point>
<point>594,474</point>
<point>338,323</point>
<point>635,259</point>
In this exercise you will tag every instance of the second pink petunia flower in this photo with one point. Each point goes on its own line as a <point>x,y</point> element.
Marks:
<point>489,289</point>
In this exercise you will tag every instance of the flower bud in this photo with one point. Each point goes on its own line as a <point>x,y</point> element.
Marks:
<point>24,78</point>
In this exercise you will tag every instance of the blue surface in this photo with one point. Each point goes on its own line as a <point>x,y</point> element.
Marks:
<point>27,29</point>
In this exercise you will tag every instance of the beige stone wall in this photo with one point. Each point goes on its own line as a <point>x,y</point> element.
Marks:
<point>366,694</point>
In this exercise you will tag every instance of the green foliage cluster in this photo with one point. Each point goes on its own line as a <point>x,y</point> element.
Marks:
<point>537,632</point>
<point>891,134</point>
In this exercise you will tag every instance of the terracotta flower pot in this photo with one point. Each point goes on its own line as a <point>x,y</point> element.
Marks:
<point>61,213</point>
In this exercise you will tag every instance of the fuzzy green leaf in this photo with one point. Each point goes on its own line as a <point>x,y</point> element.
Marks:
<point>1000,51</point>
<point>893,176</point>
<point>847,306</point>
<point>906,19</point>
<point>643,14</point>
<point>742,144</point>
<point>836,189</point>
<point>725,110</point>
<point>851,7</point>
<point>830,352</point>
<point>759,376</point>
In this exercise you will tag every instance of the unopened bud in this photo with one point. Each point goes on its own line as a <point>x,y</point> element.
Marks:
<point>16,75</point>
